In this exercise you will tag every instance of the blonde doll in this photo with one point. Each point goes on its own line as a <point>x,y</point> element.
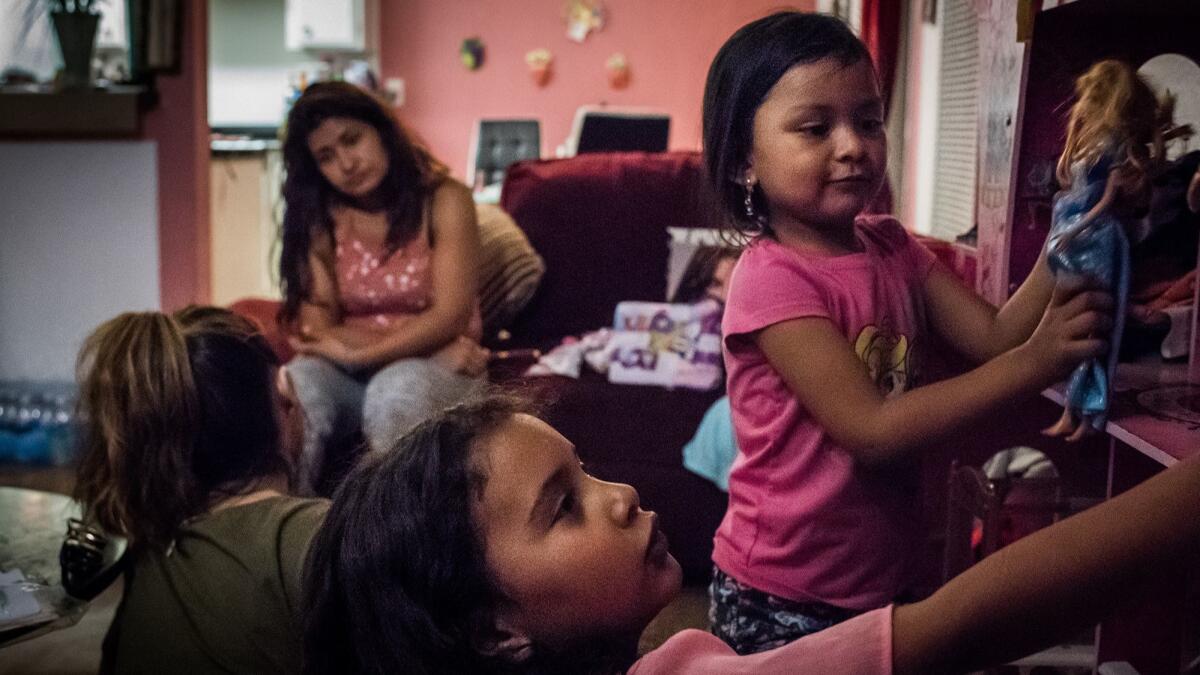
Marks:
<point>1114,143</point>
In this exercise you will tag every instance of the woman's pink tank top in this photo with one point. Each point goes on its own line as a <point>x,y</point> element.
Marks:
<point>380,290</point>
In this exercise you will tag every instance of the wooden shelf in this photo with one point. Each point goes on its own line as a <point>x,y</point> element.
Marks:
<point>1155,410</point>
<point>38,112</point>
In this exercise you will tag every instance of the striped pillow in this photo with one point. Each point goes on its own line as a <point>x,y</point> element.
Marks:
<point>509,269</point>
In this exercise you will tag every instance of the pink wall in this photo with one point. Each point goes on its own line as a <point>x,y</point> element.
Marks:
<point>179,126</point>
<point>668,44</point>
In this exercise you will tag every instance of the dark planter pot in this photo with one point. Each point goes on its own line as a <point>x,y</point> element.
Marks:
<point>76,33</point>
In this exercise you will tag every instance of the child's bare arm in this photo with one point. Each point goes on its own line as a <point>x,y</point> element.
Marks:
<point>975,327</point>
<point>833,384</point>
<point>1045,587</point>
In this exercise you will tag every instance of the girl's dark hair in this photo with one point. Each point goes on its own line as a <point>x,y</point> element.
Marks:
<point>698,275</point>
<point>396,580</point>
<point>742,73</point>
<point>178,409</point>
<point>413,175</point>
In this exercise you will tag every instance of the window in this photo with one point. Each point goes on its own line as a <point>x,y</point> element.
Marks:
<point>958,122</point>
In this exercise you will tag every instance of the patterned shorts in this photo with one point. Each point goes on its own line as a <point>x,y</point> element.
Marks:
<point>752,621</point>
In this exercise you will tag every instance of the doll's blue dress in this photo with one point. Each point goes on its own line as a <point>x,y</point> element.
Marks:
<point>1100,253</point>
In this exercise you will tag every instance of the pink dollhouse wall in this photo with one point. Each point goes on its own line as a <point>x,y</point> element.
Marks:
<point>668,44</point>
<point>1066,40</point>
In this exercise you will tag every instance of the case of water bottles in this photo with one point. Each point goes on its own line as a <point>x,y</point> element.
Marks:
<point>37,422</point>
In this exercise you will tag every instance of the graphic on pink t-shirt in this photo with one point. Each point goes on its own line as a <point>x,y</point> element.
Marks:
<point>804,521</point>
<point>887,357</point>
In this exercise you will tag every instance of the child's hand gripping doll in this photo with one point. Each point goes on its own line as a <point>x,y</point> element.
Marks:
<point>1114,141</point>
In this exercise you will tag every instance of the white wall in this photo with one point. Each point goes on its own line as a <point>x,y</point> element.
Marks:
<point>930,42</point>
<point>78,245</point>
<point>248,64</point>
<point>27,41</point>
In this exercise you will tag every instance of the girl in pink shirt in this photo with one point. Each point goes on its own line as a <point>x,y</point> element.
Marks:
<point>480,545</point>
<point>827,321</point>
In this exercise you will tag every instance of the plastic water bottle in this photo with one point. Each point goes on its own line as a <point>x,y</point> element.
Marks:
<point>8,403</point>
<point>61,430</point>
<point>37,423</point>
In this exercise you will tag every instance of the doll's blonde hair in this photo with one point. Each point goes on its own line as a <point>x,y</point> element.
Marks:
<point>1113,104</point>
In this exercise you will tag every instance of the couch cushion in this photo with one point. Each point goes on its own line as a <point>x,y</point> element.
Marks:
<point>509,269</point>
<point>600,223</point>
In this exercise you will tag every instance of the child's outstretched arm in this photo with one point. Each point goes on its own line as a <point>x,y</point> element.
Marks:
<point>980,331</point>
<point>974,327</point>
<point>1049,585</point>
<point>833,384</point>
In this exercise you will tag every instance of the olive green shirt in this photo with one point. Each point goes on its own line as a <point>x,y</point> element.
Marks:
<point>225,599</point>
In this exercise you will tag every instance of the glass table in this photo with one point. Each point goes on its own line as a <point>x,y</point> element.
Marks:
<point>32,526</point>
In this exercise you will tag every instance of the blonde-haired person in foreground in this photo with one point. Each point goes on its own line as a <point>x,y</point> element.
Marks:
<point>190,432</point>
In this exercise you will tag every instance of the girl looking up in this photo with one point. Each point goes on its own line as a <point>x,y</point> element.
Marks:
<point>825,331</point>
<point>480,545</point>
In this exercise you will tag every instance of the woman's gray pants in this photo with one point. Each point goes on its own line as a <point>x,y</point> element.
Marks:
<point>383,405</point>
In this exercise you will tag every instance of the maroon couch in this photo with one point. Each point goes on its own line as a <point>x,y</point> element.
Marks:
<point>600,222</point>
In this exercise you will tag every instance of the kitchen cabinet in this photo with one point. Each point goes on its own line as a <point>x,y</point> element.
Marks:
<point>326,25</point>
<point>245,253</point>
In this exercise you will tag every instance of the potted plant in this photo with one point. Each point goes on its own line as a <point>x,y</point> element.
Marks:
<point>75,24</point>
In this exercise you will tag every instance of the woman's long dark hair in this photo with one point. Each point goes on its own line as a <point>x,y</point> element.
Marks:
<point>741,75</point>
<point>178,410</point>
<point>413,175</point>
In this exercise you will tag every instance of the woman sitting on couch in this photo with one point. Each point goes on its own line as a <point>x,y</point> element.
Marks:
<point>378,267</point>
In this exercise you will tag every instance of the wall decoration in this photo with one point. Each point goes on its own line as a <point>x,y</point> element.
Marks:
<point>539,61</point>
<point>583,17</point>
<point>618,71</point>
<point>471,53</point>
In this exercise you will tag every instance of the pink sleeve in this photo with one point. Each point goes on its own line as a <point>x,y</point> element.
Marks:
<point>921,259</point>
<point>769,286</point>
<point>860,646</point>
<point>917,259</point>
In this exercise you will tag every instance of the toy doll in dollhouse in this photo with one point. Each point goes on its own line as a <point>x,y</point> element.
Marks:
<point>1114,148</point>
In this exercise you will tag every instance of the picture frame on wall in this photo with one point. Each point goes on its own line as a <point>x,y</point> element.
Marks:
<point>156,36</point>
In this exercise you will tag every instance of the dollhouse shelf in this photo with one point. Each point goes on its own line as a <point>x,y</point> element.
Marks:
<point>38,112</point>
<point>1155,411</point>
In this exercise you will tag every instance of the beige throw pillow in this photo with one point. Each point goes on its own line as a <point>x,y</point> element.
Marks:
<point>509,269</point>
